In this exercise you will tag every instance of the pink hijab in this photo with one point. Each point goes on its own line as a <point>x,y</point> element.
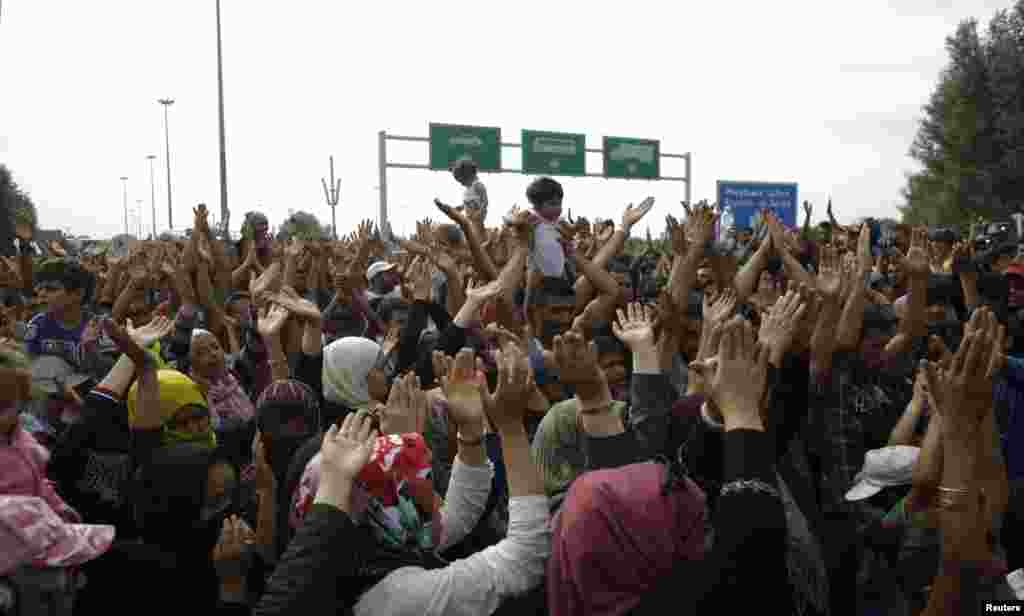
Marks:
<point>617,534</point>
<point>23,473</point>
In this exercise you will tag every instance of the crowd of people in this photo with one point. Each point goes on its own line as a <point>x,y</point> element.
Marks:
<point>514,416</point>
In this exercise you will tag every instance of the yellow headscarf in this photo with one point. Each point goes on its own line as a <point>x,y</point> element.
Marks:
<point>176,391</point>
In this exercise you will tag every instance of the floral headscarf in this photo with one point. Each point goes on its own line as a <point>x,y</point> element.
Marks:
<point>395,495</point>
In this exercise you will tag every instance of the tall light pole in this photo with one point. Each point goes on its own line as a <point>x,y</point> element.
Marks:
<point>124,186</point>
<point>331,194</point>
<point>138,217</point>
<point>220,112</point>
<point>167,102</point>
<point>152,191</point>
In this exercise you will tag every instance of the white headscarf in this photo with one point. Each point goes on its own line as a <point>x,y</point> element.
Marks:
<point>347,363</point>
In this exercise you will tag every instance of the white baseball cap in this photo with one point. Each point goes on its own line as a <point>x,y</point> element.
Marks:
<point>378,268</point>
<point>883,468</point>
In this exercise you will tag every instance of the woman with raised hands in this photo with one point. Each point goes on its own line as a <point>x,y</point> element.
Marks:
<point>400,579</point>
<point>749,553</point>
<point>962,392</point>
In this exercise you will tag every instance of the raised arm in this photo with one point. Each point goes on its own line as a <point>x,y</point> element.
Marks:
<point>585,285</point>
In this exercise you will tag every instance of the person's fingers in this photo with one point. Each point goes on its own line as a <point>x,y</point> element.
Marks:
<point>763,354</point>
<point>998,356</point>
<point>727,343</point>
<point>974,356</point>
<point>749,341</point>
<point>347,423</point>
<point>361,428</point>
<point>960,359</point>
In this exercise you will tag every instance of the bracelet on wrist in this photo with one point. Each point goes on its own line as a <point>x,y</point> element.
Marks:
<point>956,499</point>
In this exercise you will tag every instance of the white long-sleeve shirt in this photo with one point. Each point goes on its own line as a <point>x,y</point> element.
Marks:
<point>478,584</point>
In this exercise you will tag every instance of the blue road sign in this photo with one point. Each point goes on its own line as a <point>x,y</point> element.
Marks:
<point>743,200</point>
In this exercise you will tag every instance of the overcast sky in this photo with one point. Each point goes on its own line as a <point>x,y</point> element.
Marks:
<point>826,94</point>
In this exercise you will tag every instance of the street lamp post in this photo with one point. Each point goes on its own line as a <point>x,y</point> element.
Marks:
<point>152,191</point>
<point>167,102</point>
<point>220,112</point>
<point>124,186</point>
<point>138,217</point>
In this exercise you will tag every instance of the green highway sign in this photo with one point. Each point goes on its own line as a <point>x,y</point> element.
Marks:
<point>632,158</point>
<point>451,142</point>
<point>547,153</point>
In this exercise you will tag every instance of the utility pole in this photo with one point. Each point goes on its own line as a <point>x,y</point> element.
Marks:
<point>331,194</point>
<point>124,186</point>
<point>220,112</point>
<point>152,191</point>
<point>167,102</point>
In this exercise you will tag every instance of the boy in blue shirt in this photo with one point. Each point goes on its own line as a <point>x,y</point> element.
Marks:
<point>63,287</point>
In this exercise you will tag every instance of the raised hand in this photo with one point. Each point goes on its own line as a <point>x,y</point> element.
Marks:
<point>634,215</point>
<point>607,230</point>
<point>483,293</point>
<point>406,409</point>
<point>506,406</point>
<point>365,231</point>
<point>272,318</point>
<point>916,262</point>
<point>235,535</point>
<point>740,376</point>
<point>686,206</point>
<point>200,215</point>
<point>298,306</point>
<point>830,273</point>
<point>503,337</point>
<point>677,234</point>
<point>963,390</point>
<point>807,208</point>
<point>718,310</point>
<point>464,387</point>
<point>344,452</point>
<point>125,342</point>
<point>455,215</point>
<point>268,283</point>
<point>391,340</point>
<point>780,326</point>
<point>577,361</point>
<point>635,327</point>
<point>700,227</point>
<point>149,333</point>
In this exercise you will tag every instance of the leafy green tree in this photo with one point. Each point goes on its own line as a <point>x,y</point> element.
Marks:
<point>303,226</point>
<point>16,207</point>
<point>970,142</point>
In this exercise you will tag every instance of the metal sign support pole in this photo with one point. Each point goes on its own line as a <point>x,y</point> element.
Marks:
<point>689,176</point>
<point>382,153</point>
